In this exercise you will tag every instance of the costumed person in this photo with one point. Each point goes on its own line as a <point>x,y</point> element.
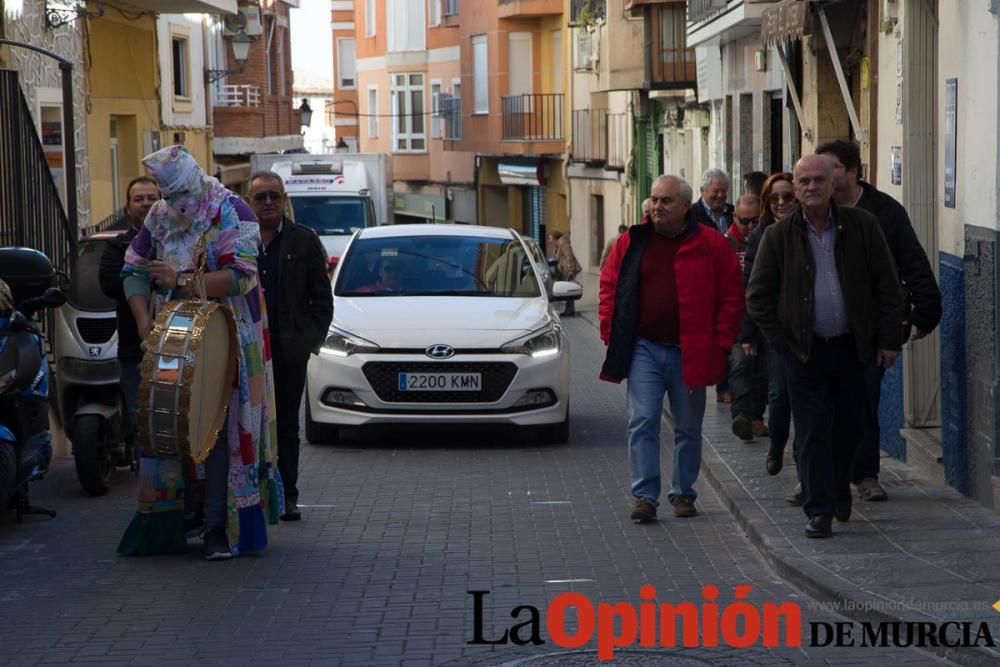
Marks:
<point>241,485</point>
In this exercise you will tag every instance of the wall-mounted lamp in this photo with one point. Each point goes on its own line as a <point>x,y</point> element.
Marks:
<point>241,51</point>
<point>63,12</point>
<point>306,113</point>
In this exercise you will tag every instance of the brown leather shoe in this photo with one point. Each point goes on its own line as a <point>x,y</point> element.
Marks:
<point>725,397</point>
<point>643,511</point>
<point>869,489</point>
<point>760,428</point>
<point>684,507</point>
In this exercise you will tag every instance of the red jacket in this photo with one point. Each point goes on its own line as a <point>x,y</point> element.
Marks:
<point>709,294</point>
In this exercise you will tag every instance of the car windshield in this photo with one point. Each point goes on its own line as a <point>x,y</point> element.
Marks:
<point>437,266</point>
<point>330,215</point>
<point>84,286</point>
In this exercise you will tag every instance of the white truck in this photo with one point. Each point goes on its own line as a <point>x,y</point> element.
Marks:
<point>336,194</point>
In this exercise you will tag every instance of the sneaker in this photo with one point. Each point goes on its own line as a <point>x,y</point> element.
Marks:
<point>216,545</point>
<point>292,512</point>
<point>795,497</point>
<point>684,507</point>
<point>644,510</point>
<point>742,428</point>
<point>760,429</point>
<point>869,489</point>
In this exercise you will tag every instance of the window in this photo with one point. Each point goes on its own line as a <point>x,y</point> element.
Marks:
<point>408,135</point>
<point>480,74</point>
<point>596,229</point>
<point>179,62</point>
<point>433,12</point>
<point>369,18</point>
<point>450,7</point>
<point>346,68</point>
<point>406,25</point>
<point>519,63</point>
<point>372,112</point>
<point>452,111</point>
<point>436,116</point>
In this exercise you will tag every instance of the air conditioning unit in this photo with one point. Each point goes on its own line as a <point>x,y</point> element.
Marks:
<point>247,20</point>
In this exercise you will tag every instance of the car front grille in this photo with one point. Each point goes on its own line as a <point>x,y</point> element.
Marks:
<point>383,376</point>
<point>96,329</point>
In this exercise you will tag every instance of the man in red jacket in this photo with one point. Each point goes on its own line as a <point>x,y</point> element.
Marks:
<point>671,304</point>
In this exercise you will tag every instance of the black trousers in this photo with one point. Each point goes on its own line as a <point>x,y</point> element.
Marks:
<point>289,383</point>
<point>829,409</point>
<point>748,383</point>
<point>866,459</point>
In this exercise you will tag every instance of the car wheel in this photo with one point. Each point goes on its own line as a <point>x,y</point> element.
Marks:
<point>557,434</point>
<point>318,433</point>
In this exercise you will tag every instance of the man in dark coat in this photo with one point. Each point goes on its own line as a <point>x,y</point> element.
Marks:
<point>141,194</point>
<point>292,266</point>
<point>824,292</point>
<point>923,298</point>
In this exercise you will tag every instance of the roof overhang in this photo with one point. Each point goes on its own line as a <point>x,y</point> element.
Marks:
<point>184,6</point>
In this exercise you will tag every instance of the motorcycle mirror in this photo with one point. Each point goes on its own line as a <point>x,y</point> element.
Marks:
<point>53,297</point>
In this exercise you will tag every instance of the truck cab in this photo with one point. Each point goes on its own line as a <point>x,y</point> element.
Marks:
<point>330,196</point>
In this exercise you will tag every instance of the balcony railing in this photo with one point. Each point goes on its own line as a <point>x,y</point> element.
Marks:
<point>449,7</point>
<point>599,138</point>
<point>584,12</point>
<point>451,111</point>
<point>537,117</point>
<point>699,10</point>
<point>669,64</point>
<point>238,95</point>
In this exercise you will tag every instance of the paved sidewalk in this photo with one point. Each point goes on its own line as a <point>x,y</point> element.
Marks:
<point>929,554</point>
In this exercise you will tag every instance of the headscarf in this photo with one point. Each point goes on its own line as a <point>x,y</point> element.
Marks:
<point>190,196</point>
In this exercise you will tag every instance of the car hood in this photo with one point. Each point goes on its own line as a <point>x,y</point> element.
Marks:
<point>418,322</point>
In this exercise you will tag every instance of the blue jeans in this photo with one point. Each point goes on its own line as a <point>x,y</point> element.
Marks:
<point>655,371</point>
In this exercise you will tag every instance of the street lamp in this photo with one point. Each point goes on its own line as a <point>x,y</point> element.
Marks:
<point>241,51</point>
<point>306,113</point>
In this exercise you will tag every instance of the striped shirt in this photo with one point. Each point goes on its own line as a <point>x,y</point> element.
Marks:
<point>829,308</point>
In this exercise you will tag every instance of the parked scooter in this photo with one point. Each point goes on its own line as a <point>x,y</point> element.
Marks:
<point>25,439</point>
<point>85,339</point>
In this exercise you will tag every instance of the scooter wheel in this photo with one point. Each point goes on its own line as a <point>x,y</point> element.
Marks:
<point>92,454</point>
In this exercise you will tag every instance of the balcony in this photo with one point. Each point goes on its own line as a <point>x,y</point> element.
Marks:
<point>600,139</point>
<point>237,96</point>
<point>512,9</point>
<point>700,10</point>
<point>670,64</point>
<point>533,117</point>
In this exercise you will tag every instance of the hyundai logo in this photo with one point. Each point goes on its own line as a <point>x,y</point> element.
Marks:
<point>440,352</point>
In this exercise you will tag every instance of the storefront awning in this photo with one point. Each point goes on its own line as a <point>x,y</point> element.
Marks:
<point>520,173</point>
<point>787,20</point>
<point>185,6</point>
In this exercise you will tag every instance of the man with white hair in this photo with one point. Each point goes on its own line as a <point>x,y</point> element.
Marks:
<point>671,305</point>
<point>713,210</point>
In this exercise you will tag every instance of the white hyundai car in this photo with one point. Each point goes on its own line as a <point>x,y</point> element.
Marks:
<point>440,324</point>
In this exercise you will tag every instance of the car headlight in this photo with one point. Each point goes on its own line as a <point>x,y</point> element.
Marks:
<point>343,343</point>
<point>543,342</point>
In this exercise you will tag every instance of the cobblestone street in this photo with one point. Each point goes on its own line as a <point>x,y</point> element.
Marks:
<point>398,526</point>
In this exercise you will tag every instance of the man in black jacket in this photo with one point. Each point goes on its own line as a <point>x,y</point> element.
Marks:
<point>824,292</point>
<point>292,267</point>
<point>923,298</point>
<point>141,194</point>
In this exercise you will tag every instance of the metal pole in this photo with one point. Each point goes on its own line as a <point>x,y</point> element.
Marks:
<point>69,145</point>
<point>790,85</point>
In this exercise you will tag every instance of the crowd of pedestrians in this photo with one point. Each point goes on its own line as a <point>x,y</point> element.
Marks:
<point>793,303</point>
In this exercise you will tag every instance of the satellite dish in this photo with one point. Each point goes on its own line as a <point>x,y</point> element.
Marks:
<point>236,22</point>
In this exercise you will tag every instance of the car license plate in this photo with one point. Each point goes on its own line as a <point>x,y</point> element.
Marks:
<point>440,382</point>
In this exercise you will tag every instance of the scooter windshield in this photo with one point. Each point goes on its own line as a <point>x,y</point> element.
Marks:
<point>84,291</point>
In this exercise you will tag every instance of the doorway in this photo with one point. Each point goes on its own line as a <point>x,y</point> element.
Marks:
<point>776,133</point>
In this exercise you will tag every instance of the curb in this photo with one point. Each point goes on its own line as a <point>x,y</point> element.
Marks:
<point>773,546</point>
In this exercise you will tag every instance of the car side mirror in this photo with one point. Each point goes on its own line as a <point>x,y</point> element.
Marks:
<point>566,290</point>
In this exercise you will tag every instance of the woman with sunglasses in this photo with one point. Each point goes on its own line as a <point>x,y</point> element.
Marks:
<point>777,201</point>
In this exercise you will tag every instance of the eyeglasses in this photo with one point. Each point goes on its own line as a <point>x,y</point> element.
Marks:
<point>262,197</point>
<point>781,197</point>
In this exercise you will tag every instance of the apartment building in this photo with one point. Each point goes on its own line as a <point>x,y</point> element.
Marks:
<point>409,69</point>
<point>250,72</point>
<point>342,109</point>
